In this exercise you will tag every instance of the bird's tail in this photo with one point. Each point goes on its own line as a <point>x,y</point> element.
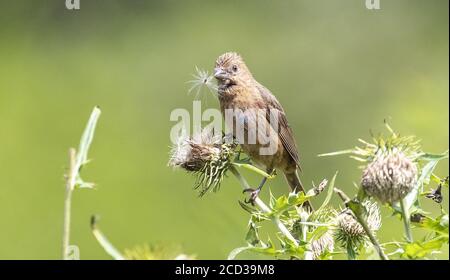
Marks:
<point>296,186</point>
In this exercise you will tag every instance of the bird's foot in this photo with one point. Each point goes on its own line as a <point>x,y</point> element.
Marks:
<point>253,195</point>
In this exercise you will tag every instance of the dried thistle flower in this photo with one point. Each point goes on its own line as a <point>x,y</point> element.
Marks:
<point>207,155</point>
<point>350,233</point>
<point>390,176</point>
<point>391,169</point>
<point>202,79</point>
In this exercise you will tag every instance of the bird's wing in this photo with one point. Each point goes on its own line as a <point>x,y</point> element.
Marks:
<point>284,130</point>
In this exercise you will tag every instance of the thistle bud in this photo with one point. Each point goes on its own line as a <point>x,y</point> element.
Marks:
<point>206,156</point>
<point>350,233</point>
<point>390,176</point>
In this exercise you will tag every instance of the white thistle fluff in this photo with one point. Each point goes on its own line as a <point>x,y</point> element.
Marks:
<point>202,79</point>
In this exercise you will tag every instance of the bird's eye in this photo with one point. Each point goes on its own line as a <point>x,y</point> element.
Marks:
<point>235,68</point>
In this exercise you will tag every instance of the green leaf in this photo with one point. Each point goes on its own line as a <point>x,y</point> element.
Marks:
<point>86,138</point>
<point>281,202</point>
<point>266,249</point>
<point>352,254</point>
<point>434,157</point>
<point>435,179</point>
<point>252,234</point>
<point>295,199</point>
<point>424,178</point>
<point>343,152</point>
<point>284,203</point>
<point>329,192</point>
<point>317,233</point>
<point>419,250</point>
<point>438,225</point>
<point>272,200</point>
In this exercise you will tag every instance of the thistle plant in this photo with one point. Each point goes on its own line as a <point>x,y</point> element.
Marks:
<point>309,232</point>
<point>319,245</point>
<point>282,212</point>
<point>395,172</point>
<point>351,234</point>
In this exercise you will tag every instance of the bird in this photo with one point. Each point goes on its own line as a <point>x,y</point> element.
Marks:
<point>239,91</point>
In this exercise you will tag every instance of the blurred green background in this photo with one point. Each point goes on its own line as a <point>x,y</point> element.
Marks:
<point>337,68</point>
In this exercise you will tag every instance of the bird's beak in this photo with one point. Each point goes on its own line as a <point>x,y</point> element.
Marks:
<point>219,74</point>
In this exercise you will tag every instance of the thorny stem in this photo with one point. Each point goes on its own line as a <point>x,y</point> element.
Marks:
<point>406,221</point>
<point>303,218</point>
<point>70,185</point>
<point>372,238</point>
<point>360,217</point>
<point>264,207</point>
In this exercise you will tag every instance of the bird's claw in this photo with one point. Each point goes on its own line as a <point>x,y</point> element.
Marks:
<point>253,195</point>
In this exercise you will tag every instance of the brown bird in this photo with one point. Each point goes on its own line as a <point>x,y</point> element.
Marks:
<point>239,91</point>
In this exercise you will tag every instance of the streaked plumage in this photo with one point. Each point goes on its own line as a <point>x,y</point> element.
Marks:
<point>238,89</point>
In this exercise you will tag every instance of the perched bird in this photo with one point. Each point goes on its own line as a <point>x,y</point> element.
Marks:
<point>239,91</point>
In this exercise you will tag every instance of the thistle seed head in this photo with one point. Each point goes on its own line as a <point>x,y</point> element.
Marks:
<point>206,156</point>
<point>390,176</point>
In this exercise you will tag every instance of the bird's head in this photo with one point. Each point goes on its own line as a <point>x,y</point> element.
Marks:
<point>231,70</point>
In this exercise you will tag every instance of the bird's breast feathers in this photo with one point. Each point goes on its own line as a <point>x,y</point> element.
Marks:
<point>243,98</point>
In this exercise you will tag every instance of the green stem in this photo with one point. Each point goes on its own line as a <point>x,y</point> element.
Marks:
<point>372,237</point>
<point>70,185</point>
<point>406,221</point>
<point>351,255</point>
<point>254,169</point>
<point>104,242</point>
<point>264,207</point>
<point>303,218</point>
<point>362,221</point>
